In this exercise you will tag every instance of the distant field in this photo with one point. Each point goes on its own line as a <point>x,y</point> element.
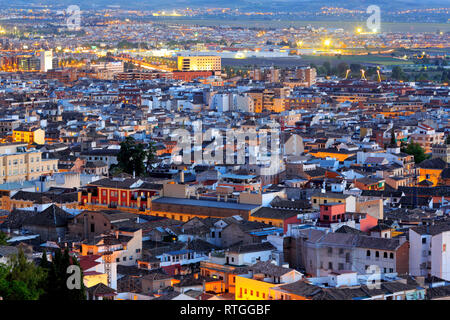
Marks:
<point>318,60</point>
<point>346,25</point>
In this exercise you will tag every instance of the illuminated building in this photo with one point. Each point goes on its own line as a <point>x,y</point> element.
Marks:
<point>29,135</point>
<point>307,75</point>
<point>426,136</point>
<point>46,60</point>
<point>261,278</point>
<point>19,164</point>
<point>199,63</point>
<point>131,194</point>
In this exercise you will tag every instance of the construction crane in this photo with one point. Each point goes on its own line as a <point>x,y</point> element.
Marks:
<point>347,73</point>
<point>363,76</point>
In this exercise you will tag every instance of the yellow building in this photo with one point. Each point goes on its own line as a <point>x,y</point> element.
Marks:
<point>431,170</point>
<point>91,280</point>
<point>19,164</point>
<point>257,97</point>
<point>199,63</point>
<point>29,135</point>
<point>279,105</point>
<point>319,198</point>
<point>263,277</point>
<point>253,289</point>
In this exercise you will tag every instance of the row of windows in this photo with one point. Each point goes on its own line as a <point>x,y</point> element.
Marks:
<point>377,254</point>
<point>257,293</point>
<point>14,172</point>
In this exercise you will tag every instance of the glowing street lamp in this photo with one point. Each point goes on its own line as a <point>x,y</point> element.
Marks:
<point>327,43</point>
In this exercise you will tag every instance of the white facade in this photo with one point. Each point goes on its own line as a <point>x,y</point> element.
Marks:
<point>46,60</point>
<point>440,257</point>
<point>248,258</point>
<point>428,254</point>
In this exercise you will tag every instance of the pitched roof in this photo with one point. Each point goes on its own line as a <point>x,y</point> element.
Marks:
<point>436,163</point>
<point>101,290</point>
<point>273,213</point>
<point>347,229</point>
<point>300,288</point>
<point>267,267</point>
<point>254,247</point>
<point>434,229</point>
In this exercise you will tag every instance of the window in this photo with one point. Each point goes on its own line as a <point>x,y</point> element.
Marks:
<point>424,240</point>
<point>391,255</point>
<point>377,254</point>
<point>385,255</point>
<point>124,259</point>
<point>92,227</point>
<point>368,253</point>
<point>341,266</point>
<point>330,265</point>
<point>391,270</point>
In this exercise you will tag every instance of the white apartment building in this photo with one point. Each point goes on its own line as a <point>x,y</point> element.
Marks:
<point>428,252</point>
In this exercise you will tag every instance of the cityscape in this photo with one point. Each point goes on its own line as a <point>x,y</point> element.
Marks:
<point>224,151</point>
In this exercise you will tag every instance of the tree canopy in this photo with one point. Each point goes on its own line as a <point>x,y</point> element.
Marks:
<point>21,279</point>
<point>134,157</point>
<point>417,151</point>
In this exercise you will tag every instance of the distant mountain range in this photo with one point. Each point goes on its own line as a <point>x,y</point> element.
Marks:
<point>269,5</point>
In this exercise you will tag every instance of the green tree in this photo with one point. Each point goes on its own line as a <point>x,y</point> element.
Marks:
<point>21,279</point>
<point>150,155</point>
<point>56,284</point>
<point>398,74</point>
<point>327,66</point>
<point>3,238</point>
<point>393,140</point>
<point>131,157</point>
<point>417,151</point>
